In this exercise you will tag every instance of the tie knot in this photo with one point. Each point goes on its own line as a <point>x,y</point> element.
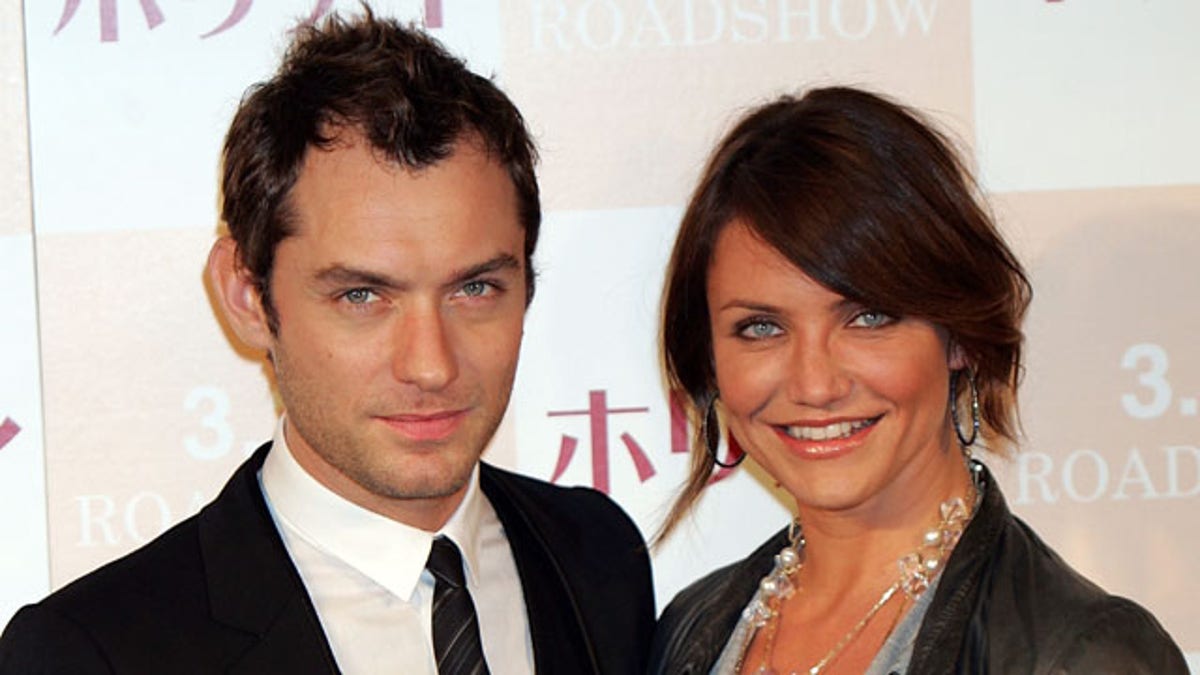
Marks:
<point>445,562</point>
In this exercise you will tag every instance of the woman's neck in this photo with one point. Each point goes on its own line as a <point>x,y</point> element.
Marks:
<point>859,547</point>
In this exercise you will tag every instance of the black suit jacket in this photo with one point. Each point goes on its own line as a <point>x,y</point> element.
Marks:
<point>218,593</point>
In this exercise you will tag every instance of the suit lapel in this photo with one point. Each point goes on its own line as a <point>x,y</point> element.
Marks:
<point>560,642</point>
<point>252,584</point>
<point>254,587</point>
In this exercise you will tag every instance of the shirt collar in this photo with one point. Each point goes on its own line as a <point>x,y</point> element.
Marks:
<point>386,551</point>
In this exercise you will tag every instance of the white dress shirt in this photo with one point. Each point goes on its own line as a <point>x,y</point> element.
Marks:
<point>367,579</point>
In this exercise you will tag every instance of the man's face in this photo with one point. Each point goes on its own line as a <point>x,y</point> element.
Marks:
<point>401,300</point>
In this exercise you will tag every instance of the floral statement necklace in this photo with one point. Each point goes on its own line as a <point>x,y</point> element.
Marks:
<point>917,570</point>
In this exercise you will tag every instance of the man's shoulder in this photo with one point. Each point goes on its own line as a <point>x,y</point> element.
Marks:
<point>157,603</point>
<point>168,572</point>
<point>163,567</point>
<point>584,530</point>
<point>145,596</point>
<point>571,506</point>
<point>589,559</point>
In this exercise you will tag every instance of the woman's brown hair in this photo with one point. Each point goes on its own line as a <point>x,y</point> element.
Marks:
<point>871,202</point>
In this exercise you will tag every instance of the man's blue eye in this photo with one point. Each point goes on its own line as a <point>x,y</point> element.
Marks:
<point>475,288</point>
<point>358,296</point>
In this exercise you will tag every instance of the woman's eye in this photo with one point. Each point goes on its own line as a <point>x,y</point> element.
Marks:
<point>359,296</point>
<point>758,330</point>
<point>872,318</point>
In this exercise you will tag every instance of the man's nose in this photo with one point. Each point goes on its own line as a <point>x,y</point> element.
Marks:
<point>424,353</point>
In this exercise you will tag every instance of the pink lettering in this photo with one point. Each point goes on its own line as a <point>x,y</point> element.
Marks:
<point>108,17</point>
<point>8,431</point>
<point>433,13</point>
<point>597,413</point>
<point>240,9</point>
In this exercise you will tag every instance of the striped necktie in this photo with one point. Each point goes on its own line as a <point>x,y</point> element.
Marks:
<point>456,641</point>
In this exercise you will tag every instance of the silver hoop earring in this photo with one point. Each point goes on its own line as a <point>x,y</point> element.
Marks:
<point>710,433</point>
<point>966,441</point>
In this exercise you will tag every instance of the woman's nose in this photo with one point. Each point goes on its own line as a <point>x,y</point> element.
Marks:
<point>816,377</point>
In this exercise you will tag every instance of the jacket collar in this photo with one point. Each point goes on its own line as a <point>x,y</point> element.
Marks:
<point>556,624</point>
<point>715,604</point>
<point>941,638</point>
<point>252,584</point>
<point>254,587</point>
<point>713,615</point>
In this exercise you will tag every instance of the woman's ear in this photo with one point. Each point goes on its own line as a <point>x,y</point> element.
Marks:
<point>238,296</point>
<point>957,357</point>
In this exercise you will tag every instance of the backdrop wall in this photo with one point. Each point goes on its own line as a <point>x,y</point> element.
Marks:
<point>124,405</point>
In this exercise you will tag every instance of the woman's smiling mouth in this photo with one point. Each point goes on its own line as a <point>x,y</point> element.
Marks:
<point>829,432</point>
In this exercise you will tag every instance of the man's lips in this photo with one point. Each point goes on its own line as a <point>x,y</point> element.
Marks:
<point>426,426</point>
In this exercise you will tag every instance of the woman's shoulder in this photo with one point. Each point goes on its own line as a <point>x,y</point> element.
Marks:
<point>694,627</point>
<point>733,582</point>
<point>1078,626</point>
<point>1119,635</point>
<point>1008,600</point>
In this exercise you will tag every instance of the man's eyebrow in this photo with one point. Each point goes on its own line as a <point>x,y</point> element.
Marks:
<point>503,261</point>
<point>344,275</point>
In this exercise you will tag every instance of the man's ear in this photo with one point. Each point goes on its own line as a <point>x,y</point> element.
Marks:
<point>238,296</point>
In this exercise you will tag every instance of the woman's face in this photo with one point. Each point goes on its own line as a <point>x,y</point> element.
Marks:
<point>846,407</point>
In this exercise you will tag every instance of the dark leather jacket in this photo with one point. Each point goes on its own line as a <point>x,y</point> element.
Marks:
<point>1006,604</point>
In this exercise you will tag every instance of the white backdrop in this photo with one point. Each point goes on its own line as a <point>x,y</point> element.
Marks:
<point>124,406</point>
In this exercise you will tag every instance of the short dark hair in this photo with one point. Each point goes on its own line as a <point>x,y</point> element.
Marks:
<point>870,201</point>
<point>397,86</point>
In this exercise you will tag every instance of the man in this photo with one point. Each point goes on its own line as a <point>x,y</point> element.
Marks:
<point>383,212</point>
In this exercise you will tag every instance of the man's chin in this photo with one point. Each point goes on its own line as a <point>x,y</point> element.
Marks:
<point>422,483</point>
<point>423,491</point>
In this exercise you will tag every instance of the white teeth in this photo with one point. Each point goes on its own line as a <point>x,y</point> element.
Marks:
<point>837,430</point>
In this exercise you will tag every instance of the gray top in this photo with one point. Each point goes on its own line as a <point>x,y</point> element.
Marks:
<point>891,659</point>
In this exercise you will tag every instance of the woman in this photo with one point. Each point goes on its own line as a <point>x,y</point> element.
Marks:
<point>840,301</point>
